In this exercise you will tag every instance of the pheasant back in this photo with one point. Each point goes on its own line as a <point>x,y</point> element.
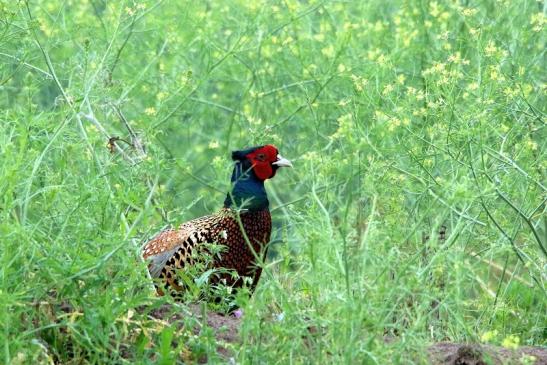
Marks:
<point>245,237</point>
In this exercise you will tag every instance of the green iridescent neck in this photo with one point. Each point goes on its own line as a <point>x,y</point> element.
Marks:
<point>248,191</point>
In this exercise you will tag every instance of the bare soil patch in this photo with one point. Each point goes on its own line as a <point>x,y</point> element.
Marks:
<point>226,329</point>
<point>447,353</point>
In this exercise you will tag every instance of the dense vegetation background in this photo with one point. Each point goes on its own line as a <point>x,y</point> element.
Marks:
<point>403,119</point>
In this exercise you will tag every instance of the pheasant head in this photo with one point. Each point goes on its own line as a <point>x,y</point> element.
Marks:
<point>252,167</point>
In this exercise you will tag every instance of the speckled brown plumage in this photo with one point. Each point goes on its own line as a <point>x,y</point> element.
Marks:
<point>172,249</point>
<point>243,227</point>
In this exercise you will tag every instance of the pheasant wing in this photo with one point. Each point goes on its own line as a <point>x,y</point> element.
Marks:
<point>172,247</point>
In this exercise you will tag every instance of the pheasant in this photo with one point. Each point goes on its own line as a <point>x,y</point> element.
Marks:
<point>243,226</point>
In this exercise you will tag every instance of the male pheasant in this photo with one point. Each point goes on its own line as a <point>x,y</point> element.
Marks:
<point>243,225</point>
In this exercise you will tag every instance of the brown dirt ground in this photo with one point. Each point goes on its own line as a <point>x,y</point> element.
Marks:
<point>226,326</point>
<point>444,353</point>
<point>447,353</point>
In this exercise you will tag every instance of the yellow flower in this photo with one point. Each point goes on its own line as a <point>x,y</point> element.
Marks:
<point>511,342</point>
<point>432,105</point>
<point>393,124</point>
<point>44,27</point>
<point>469,12</point>
<point>345,126</point>
<point>91,128</point>
<point>217,162</point>
<point>442,81</point>
<point>287,40</point>
<point>320,37</point>
<point>380,116</point>
<point>531,144</point>
<point>343,102</point>
<point>161,95</point>
<point>491,48</point>
<point>349,26</point>
<point>455,58</point>
<point>420,112</point>
<point>378,26</point>
<point>372,54</point>
<point>527,89</point>
<point>247,110</point>
<point>538,20</point>
<point>387,89</point>
<point>495,75</point>
<point>328,51</point>
<point>510,92</point>
<point>150,111</point>
<point>473,86</point>
<point>489,336</point>
<point>434,9</point>
<point>185,77</point>
<point>359,82</point>
<point>255,121</point>
<point>382,60</point>
<point>439,67</point>
<point>292,6</point>
<point>401,79</point>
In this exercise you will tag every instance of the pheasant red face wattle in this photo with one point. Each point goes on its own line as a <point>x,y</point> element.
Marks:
<point>262,160</point>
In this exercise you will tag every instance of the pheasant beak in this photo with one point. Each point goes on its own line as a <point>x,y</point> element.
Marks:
<point>282,162</point>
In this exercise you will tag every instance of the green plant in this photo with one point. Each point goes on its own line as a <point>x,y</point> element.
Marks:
<point>401,117</point>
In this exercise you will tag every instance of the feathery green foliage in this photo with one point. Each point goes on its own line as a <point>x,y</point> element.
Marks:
<point>401,118</point>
